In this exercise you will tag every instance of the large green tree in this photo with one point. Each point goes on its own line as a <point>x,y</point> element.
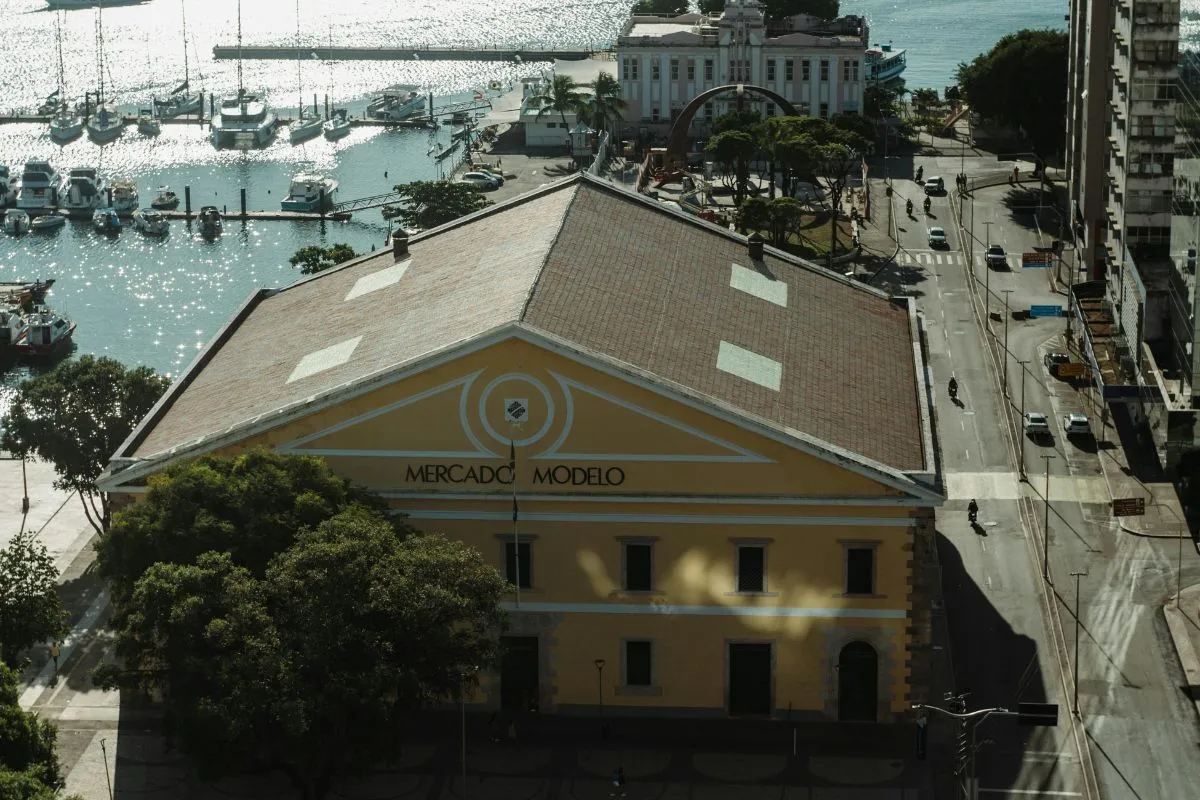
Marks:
<point>606,104</point>
<point>1022,82</point>
<point>732,151</point>
<point>311,666</point>
<point>75,417</point>
<point>314,258</point>
<point>428,204</point>
<point>29,768</point>
<point>562,95</point>
<point>30,608</point>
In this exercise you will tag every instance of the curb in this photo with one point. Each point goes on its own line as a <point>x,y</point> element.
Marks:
<point>1177,624</point>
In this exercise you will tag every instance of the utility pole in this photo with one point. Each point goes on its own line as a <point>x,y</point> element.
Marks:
<point>1075,685</point>
<point>1006,293</point>
<point>1022,364</point>
<point>987,270</point>
<point>1046,527</point>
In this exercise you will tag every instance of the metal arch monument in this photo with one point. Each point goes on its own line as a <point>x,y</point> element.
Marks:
<point>677,138</point>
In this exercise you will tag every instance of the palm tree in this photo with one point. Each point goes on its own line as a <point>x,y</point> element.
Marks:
<point>606,104</point>
<point>562,95</point>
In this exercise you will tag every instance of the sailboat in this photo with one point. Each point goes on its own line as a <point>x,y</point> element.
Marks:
<point>105,123</point>
<point>244,121</point>
<point>304,128</point>
<point>338,124</point>
<point>180,100</point>
<point>65,125</point>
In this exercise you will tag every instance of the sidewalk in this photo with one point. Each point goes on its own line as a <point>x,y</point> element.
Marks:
<point>1183,621</point>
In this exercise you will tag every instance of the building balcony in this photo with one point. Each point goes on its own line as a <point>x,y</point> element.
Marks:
<point>1104,350</point>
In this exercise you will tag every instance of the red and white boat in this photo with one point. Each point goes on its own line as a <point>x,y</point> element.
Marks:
<point>44,334</point>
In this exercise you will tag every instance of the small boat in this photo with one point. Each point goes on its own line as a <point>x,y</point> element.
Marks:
<point>338,125</point>
<point>19,293</point>
<point>65,126</point>
<point>47,223</point>
<point>305,128</point>
<point>106,220</point>
<point>124,197</point>
<point>16,222</point>
<point>308,192</point>
<point>45,333</point>
<point>397,103</point>
<point>150,222</point>
<point>105,125</point>
<point>461,133</point>
<point>210,221</point>
<point>884,64</point>
<point>85,192</point>
<point>165,200</point>
<point>148,124</point>
<point>444,152</point>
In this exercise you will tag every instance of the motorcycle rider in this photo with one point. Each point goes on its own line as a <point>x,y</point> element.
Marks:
<point>920,173</point>
<point>972,510</point>
<point>953,389</point>
<point>908,206</point>
<point>928,203</point>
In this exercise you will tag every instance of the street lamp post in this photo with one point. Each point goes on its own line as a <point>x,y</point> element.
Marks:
<point>599,662</point>
<point>1046,526</point>
<point>1022,364</point>
<point>1075,685</point>
<point>1006,293</point>
<point>987,270</point>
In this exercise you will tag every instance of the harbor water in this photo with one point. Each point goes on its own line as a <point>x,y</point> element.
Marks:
<point>155,302</point>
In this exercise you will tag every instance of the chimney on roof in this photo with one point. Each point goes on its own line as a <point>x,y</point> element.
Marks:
<point>755,245</point>
<point>400,245</point>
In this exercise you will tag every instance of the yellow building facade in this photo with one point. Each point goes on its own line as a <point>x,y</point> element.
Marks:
<point>671,551</point>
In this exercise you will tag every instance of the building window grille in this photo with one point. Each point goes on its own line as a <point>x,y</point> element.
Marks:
<point>708,69</point>
<point>771,69</point>
<point>805,70</point>
<point>751,568</point>
<point>824,70</point>
<point>674,69</point>
<point>655,69</point>
<point>691,73</point>
<point>789,69</point>
<point>511,554</point>
<point>824,110</point>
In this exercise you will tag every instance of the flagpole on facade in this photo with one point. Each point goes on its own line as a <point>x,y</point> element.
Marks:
<point>512,471</point>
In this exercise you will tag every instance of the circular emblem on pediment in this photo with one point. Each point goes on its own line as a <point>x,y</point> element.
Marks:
<point>516,408</point>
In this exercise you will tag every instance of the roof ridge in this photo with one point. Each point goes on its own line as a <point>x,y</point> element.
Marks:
<point>578,181</point>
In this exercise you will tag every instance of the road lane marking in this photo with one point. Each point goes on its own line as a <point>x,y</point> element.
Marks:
<point>1032,792</point>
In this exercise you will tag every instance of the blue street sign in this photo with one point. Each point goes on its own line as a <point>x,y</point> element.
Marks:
<point>1045,311</point>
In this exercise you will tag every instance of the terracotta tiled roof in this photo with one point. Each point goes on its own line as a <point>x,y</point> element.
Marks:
<point>609,272</point>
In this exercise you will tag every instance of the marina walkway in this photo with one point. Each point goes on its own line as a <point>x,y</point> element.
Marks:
<point>288,53</point>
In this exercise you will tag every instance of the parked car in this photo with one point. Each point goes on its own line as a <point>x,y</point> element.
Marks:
<point>996,258</point>
<point>482,177</point>
<point>935,185</point>
<point>1036,424</point>
<point>1052,360</point>
<point>937,238</point>
<point>491,173</point>
<point>1075,424</point>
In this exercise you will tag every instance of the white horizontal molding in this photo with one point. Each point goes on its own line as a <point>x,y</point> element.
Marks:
<point>709,611</point>
<point>661,499</point>
<point>661,519</point>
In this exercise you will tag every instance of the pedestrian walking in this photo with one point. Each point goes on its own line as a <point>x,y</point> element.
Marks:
<point>54,651</point>
<point>618,783</point>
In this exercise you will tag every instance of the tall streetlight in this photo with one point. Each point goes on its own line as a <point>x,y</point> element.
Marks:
<point>1006,293</point>
<point>1046,526</point>
<point>599,662</point>
<point>1022,364</point>
<point>987,270</point>
<point>1075,686</point>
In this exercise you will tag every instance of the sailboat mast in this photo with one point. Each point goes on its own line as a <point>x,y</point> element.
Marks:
<point>241,90</point>
<point>299,79</point>
<point>100,51</point>
<point>183,16</point>
<point>62,72</point>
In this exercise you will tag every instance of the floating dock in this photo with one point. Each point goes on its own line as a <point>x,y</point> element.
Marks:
<point>288,53</point>
<point>275,216</point>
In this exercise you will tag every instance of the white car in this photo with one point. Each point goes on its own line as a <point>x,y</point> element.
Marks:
<point>937,238</point>
<point>482,177</point>
<point>491,173</point>
<point>1036,424</point>
<point>935,185</point>
<point>1076,424</point>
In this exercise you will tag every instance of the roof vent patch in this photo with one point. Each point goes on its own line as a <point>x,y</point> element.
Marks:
<point>328,358</point>
<point>378,280</point>
<point>751,281</point>
<point>749,366</point>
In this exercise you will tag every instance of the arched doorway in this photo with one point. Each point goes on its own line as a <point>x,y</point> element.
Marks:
<point>858,683</point>
<point>677,138</point>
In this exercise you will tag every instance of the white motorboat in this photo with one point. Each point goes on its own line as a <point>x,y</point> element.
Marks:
<point>150,222</point>
<point>180,101</point>
<point>41,186</point>
<point>84,193</point>
<point>209,221</point>
<point>124,197</point>
<point>884,64</point>
<point>245,121</point>
<point>44,333</point>
<point>105,220</point>
<point>147,123</point>
<point>16,222</point>
<point>47,222</point>
<point>338,125</point>
<point>398,103</point>
<point>307,193</point>
<point>165,200</point>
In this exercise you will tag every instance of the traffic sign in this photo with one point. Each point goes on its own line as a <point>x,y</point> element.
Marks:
<point>1045,311</point>
<point>1128,506</point>
<point>1036,259</point>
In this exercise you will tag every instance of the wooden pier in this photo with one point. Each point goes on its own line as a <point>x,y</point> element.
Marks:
<point>265,216</point>
<point>288,53</point>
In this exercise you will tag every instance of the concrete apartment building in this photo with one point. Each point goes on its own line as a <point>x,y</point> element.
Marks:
<point>1133,183</point>
<point>664,62</point>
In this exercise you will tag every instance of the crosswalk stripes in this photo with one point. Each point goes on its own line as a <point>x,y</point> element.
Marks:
<point>908,258</point>
<point>1007,486</point>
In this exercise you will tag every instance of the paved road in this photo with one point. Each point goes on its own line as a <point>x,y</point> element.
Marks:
<point>1130,682</point>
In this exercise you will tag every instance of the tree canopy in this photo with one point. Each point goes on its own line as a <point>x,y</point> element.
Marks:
<point>302,648</point>
<point>75,417</point>
<point>561,95</point>
<point>606,104</point>
<point>1022,81</point>
<point>314,259</point>
<point>428,204</point>
<point>29,768</point>
<point>30,608</point>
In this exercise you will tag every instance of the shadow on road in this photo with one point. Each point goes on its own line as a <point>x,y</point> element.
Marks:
<point>1138,446</point>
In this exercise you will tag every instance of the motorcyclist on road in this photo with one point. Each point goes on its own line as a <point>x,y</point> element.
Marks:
<point>953,389</point>
<point>920,173</point>
<point>972,510</point>
<point>928,203</point>
<point>908,206</point>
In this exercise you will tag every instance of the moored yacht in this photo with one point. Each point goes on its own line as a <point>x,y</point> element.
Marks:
<point>147,123</point>
<point>105,220</point>
<point>44,333</point>
<point>41,186</point>
<point>884,64</point>
<point>84,192</point>
<point>124,197</point>
<point>65,125</point>
<point>150,222</point>
<point>244,122</point>
<point>16,222</point>
<point>397,103</point>
<point>308,193</point>
<point>338,125</point>
<point>105,124</point>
